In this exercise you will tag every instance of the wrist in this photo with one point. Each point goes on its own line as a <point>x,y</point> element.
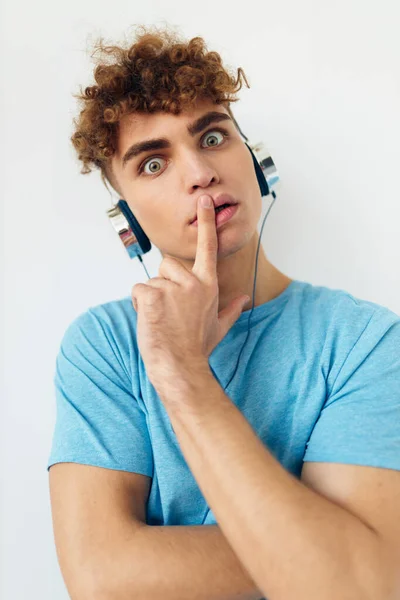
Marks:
<point>179,384</point>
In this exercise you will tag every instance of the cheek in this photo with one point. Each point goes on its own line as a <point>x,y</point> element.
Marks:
<point>242,165</point>
<point>245,179</point>
<point>158,221</point>
<point>146,210</point>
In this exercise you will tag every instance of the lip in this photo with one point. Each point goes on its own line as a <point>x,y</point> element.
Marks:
<point>223,217</point>
<point>219,200</point>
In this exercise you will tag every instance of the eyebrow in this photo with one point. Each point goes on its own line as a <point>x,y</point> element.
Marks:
<point>162,143</point>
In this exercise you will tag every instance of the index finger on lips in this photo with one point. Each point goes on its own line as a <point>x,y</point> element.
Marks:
<point>205,264</point>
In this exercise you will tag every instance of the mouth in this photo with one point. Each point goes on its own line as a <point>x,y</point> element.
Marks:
<point>221,204</point>
<point>223,214</point>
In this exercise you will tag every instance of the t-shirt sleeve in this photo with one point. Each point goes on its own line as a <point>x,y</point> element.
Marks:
<point>360,420</point>
<point>99,422</point>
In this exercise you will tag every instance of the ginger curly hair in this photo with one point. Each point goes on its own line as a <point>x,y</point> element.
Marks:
<point>158,72</point>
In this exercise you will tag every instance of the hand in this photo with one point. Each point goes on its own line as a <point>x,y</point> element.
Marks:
<point>178,324</point>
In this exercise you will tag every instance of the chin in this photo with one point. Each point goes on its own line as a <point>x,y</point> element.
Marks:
<point>230,245</point>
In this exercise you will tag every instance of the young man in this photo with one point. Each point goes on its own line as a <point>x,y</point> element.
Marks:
<point>295,467</point>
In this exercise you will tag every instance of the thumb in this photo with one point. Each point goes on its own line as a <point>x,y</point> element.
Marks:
<point>230,314</point>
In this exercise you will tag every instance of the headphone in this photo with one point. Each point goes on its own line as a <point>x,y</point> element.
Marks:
<point>137,243</point>
<point>133,236</point>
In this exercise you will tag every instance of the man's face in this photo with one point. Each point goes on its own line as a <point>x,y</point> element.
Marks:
<point>162,186</point>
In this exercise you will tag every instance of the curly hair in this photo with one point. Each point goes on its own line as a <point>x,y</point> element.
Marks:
<point>158,72</point>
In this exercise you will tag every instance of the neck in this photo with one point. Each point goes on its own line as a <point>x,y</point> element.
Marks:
<point>236,276</point>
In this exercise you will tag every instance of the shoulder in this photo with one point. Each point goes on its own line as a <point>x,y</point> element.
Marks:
<point>345,329</point>
<point>102,335</point>
<point>106,321</point>
<point>327,299</point>
<point>343,312</point>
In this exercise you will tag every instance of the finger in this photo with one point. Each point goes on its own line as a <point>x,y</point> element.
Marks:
<point>172,269</point>
<point>136,292</point>
<point>161,283</point>
<point>142,291</point>
<point>205,264</point>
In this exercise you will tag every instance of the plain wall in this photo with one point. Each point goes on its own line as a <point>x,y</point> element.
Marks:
<point>324,98</point>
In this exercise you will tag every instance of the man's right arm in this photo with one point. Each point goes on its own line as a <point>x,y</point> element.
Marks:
<point>107,552</point>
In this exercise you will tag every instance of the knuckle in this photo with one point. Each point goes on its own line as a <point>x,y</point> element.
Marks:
<point>154,290</point>
<point>152,297</point>
<point>137,288</point>
<point>192,284</point>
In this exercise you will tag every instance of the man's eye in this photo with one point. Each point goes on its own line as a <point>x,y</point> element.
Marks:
<point>149,161</point>
<point>152,160</point>
<point>222,133</point>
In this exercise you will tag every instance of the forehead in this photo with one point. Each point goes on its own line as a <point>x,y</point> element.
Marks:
<point>139,126</point>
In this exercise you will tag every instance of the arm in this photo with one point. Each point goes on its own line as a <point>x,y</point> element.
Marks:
<point>105,549</point>
<point>293,541</point>
<point>177,563</point>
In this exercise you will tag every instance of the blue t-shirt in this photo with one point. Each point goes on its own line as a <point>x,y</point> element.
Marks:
<point>318,380</point>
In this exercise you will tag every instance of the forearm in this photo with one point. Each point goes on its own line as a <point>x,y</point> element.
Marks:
<point>294,542</point>
<point>176,563</point>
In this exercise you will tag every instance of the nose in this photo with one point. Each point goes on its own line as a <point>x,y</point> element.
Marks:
<point>199,172</point>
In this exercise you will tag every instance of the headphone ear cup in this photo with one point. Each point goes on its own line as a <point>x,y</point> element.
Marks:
<point>129,230</point>
<point>267,174</point>
<point>266,171</point>
<point>262,182</point>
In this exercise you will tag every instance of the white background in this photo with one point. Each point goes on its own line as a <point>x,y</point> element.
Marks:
<point>324,98</point>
